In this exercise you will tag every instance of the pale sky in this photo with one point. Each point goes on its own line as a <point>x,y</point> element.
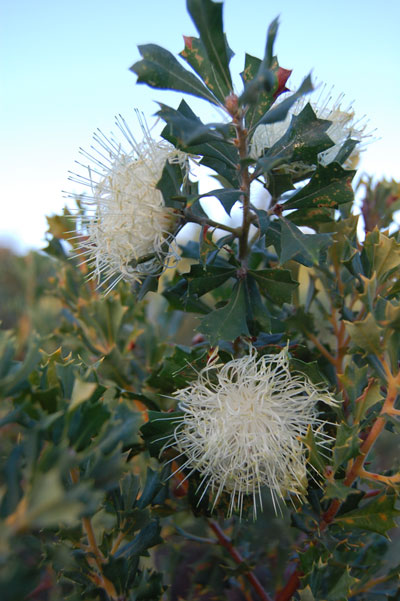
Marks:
<point>65,72</point>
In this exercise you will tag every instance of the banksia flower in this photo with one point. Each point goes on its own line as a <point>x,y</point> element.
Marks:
<point>343,127</point>
<point>127,232</point>
<point>242,427</point>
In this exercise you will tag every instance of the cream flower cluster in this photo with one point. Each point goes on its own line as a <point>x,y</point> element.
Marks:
<point>127,232</point>
<point>342,128</point>
<point>242,426</point>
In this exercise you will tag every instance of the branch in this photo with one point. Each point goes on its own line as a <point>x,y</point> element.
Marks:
<point>227,543</point>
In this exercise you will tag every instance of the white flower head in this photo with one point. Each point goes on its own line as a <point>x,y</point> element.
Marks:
<point>127,230</point>
<point>242,426</point>
<point>344,126</point>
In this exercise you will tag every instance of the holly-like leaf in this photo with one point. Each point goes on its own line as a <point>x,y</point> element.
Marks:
<point>366,334</point>
<point>170,185</point>
<point>226,196</point>
<point>341,587</point>
<point>147,537</point>
<point>336,489</point>
<point>347,444</point>
<point>315,457</point>
<point>305,138</point>
<point>304,248</point>
<point>229,322</point>
<point>279,112</point>
<point>276,284</point>
<point>377,516</point>
<point>202,280</point>
<point>217,154</point>
<point>329,187</point>
<point>189,131</point>
<point>265,98</point>
<point>159,429</point>
<point>257,314</point>
<point>207,18</point>
<point>160,69</point>
<point>195,55</point>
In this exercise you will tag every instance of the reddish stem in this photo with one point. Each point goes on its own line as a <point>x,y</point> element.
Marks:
<point>290,588</point>
<point>236,556</point>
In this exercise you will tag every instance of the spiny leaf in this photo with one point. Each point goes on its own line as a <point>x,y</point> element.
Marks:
<point>304,248</point>
<point>276,284</point>
<point>328,187</point>
<point>279,112</point>
<point>207,17</point>
<point>377,516</point>
<point>366,334</point>
<point>160,69</point>
<point>195,55</point>
<point>229,322</point>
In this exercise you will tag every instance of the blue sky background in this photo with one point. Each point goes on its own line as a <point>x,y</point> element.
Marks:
<point>65,72</point>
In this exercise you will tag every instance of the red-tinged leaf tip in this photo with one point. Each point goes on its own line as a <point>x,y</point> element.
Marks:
<point>188,42</point>
<point>282,75</point>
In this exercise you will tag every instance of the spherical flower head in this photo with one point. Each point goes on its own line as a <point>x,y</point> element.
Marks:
<point>243,424</point>
<point>127,230</point>
<point>343,127</point>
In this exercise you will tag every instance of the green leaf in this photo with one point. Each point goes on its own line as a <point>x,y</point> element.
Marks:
<point>275,284</point>
<point>310,369</point>
<point>189,131</point>
<point>160,69</point>
<point>202,280</point>
<point>347,444</point>
<point>279,112</point>
<point>305,138</point>
<point>337,490</point>
<point>148,537</point>
<point>257,314</point>
<point>377,516</point>
<point>159,429</point>
<point>342,586</point>
<point>178,369</point>
<point>195,55</point>
<point>229,322</point>
<point>170,185</point>
<point>304,248</point>
<point>207,18</point>
<point>315,457</point>
<point>305,594</point>
<point>366,334</point>
<point>226,196</point>
<point>329,187</point>
<point>151,488</point>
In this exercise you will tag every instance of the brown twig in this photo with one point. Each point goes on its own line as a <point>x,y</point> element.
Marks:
<point>98,558</point>
<point>226,542</point>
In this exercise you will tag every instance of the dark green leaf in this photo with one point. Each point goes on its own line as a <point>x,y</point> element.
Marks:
<point>229,322</point>
<point>207,17</point>
<point>377,516</point>
<point>329,187</point>
<point>258,317</point>
<point>347,444</point>
<point>202,280</point>
<point>147,537</point>
<point>304,139</point>
<point>276,284</point>
<point>170,185</point>
<point>195,54</point>
<point>279,112</point>
<point>188,131</point>
<point>159,430</point>
<point>226,196</point>
<point>160,69</point>
<point>152,487</point>
<point>304,248</point>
